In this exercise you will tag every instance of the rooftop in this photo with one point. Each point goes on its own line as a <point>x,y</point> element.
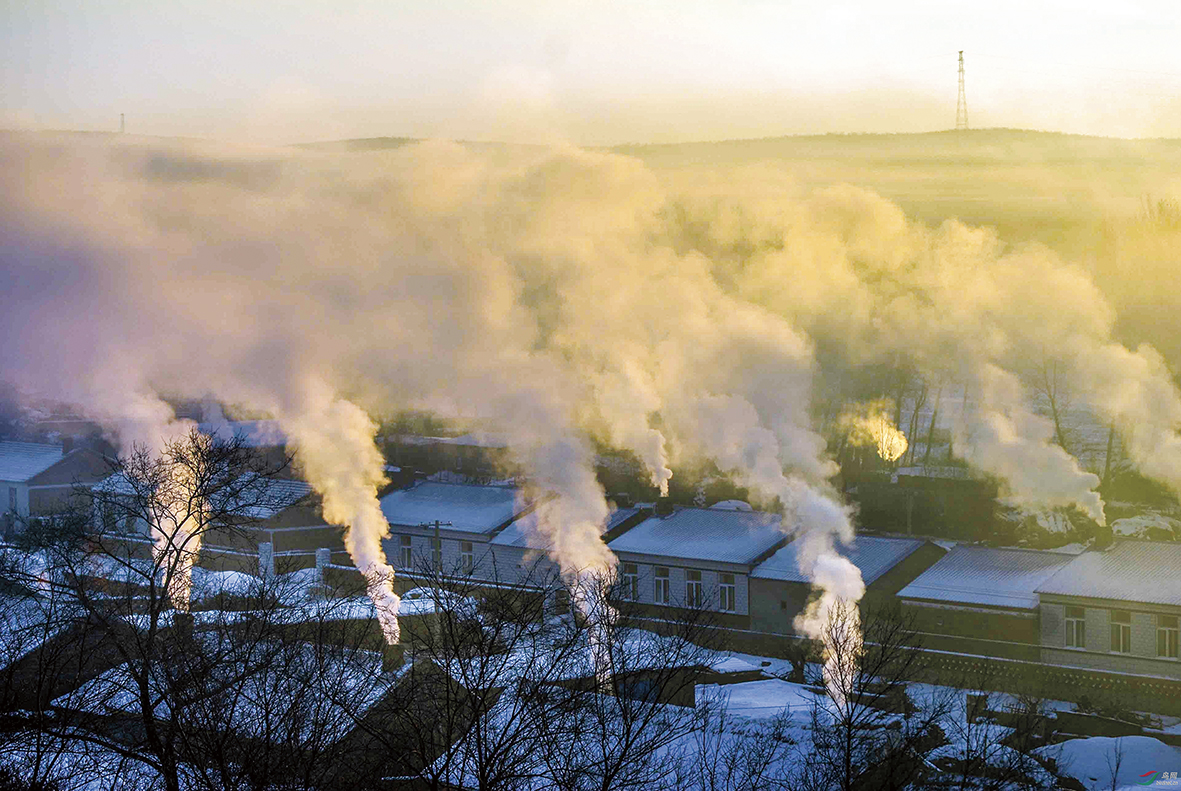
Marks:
<point>257,497</point>
<point>1133,571</point>
<point>524,532</point>
<point>253,433</point>
<point>470,508</point>
<point>704,534</point>
<point>20,461</point>
<point>987,576</point>
<point>872,554</point>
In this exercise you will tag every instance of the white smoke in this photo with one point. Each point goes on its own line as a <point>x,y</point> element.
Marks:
<point>1004,438</point>
<point>333,441</point>
<point>560,292</point>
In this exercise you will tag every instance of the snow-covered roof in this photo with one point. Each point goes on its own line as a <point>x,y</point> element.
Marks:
<point>1132,571</point>
<point>872,554</point>
<point>260,498</point>
<point>704,534</point>
<point>254,433</point>
<point>474,509</point>
<point>524,532</point>
<point>20,461</point>
<point>987,576</point>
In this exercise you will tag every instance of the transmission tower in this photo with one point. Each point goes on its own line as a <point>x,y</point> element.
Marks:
<point>961,104</point>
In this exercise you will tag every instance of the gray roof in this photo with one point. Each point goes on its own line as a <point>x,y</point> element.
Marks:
<point>20,461</point>
<point>704,534</point>
<point>991,577</point>
<point>470,508</point>
<point>872,554</point>
<point>253,433</point>
<point>523,532</point>
<point>1131,571</point>
<point>258,497</point>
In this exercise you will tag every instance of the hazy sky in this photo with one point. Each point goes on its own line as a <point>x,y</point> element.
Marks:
<point>586,71</point>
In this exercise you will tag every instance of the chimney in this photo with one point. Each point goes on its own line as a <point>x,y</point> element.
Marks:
<point>392,657</point>
<point>67,445</point>
<point>664,507</point>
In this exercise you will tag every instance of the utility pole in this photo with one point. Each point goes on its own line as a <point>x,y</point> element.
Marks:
<point>122,123</point>
<point>961,104</point>
<point>437,549</point>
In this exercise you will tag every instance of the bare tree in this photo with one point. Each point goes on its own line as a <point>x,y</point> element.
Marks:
<point>867,731</point>
<point>124,561</point>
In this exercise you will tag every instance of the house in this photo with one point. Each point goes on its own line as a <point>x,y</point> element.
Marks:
<point>779,591</point>
<point>277,526</point>
<point>285,531</point>
<point>1116,609</point>
<point>448,527</point>
<point>40,480</point>
<point>522,550</point>
<point>982,600</point>
<point>696,557</point>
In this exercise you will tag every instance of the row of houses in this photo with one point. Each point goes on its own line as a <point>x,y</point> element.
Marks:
<point>1113,610</point>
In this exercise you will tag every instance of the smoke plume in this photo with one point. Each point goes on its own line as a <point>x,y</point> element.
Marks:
<point>565,295</point>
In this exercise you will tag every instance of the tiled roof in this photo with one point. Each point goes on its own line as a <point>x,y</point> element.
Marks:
<point>704,534</point>
<point>872,554</point>
<point>253,433</point>
<point>261,498</point>
<point>475,509</point>
<point>1132,571</point>
<point>986,576</point>
<point>20,461</point>
<point>523,532</point>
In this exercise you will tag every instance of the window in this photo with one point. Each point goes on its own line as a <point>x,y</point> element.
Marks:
<point>1076,627</point>
<point>694,595</point>
<point>1121,632</point>
<point>726,592</point>
<point>437,553</point>
<point>405,552</point>
<point>467,557</point>
<point>660,594</point>
<point>1167,636</point>
<point>629,582</point>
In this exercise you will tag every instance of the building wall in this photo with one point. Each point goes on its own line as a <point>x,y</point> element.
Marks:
<point>21,490</point>
<point>710,581</point>
<point>1005,625</point>
<point>1098,654</point>
<point>774,604</point>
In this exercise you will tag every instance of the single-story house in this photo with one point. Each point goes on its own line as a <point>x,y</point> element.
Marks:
<point>39,480</point>
<point>779,591</point>
<point>696,557</point>
<point>1117,609</point>
<point>448,527</point>
<point>982,600</point>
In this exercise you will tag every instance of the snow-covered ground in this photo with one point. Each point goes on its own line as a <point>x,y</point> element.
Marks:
<point>1130,760</point>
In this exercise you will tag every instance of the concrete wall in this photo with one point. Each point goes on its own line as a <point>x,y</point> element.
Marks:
<point>1014,626</point>
<point>775,604</point>
<point>710,582</point>
<point>1098,654</point>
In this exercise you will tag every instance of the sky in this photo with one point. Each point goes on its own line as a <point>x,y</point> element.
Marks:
<point>586,71</point>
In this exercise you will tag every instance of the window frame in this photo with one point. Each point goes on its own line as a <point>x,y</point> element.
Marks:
<point>406,551</point>
<point>1076,627</point>
<point>662,585</point>
<point>629,578</point>
<point>467,557</point>
<point>727,592</point>
<point>694,588</point>
<point>1168,637</point>
<point>1121,631</point>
